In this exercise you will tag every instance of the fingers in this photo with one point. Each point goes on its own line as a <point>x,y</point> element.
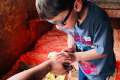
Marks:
<point>61,57</point>
<point>65,57</point>
<point>61,63</point>
<point>65,54</point>
<point>70,50</point>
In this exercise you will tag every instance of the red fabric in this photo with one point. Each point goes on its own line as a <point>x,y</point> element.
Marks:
<point>117,77</point>
<point>53,40</point>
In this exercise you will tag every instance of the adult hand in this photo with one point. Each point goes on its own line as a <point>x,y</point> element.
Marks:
<point>60,63</point>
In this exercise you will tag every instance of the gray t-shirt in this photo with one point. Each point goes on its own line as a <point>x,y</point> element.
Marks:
<point>95,33</point>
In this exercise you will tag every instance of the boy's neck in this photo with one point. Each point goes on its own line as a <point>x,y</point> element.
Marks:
<point>83,14</point>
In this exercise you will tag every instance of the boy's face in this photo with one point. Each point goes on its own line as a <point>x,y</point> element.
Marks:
<point>68,18</point>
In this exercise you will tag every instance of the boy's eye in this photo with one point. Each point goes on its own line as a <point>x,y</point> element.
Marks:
<point>61,22</point>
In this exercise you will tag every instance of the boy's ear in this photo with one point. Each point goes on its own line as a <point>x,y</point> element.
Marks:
<point>78,5</point>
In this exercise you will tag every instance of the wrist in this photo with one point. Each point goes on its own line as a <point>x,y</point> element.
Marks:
<point>50,64</point>
<point>76,56</point>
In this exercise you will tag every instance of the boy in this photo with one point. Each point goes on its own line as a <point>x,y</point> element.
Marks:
<point>89,35</point>
<point>90,39</point>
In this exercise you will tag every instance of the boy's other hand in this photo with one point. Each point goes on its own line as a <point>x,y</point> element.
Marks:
<point>67,56</point>
<point>59,64</point>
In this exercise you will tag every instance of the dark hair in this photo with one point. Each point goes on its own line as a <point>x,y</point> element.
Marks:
<point>51,8</point>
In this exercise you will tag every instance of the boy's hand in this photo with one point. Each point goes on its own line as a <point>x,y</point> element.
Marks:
<point>60,63</point>
<point>68,56</point>
<point>71,50</point>
<point>57,57</point>
<point>69,53</point>
<point>62,56</point>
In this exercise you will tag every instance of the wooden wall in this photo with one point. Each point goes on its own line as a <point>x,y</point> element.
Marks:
<point>116,27</point>
<point>18,30</point>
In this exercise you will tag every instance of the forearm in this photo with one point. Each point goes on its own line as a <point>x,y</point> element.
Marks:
<point>35,73</point>
<point>70,41</point>
<point>70,44</point>
<point>88,55</point>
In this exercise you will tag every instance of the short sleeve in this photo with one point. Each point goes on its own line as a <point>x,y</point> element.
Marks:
<point>103,37</point>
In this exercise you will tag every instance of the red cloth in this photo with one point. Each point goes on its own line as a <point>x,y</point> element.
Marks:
<point>53,40</point>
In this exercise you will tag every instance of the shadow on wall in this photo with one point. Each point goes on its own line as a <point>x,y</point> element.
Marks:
<point>18,30</point>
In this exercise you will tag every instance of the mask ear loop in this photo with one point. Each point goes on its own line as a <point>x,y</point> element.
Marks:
<point>84,4</point>
<point>63,22</point>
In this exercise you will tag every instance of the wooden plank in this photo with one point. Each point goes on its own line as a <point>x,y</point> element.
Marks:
<point>112,7</point>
